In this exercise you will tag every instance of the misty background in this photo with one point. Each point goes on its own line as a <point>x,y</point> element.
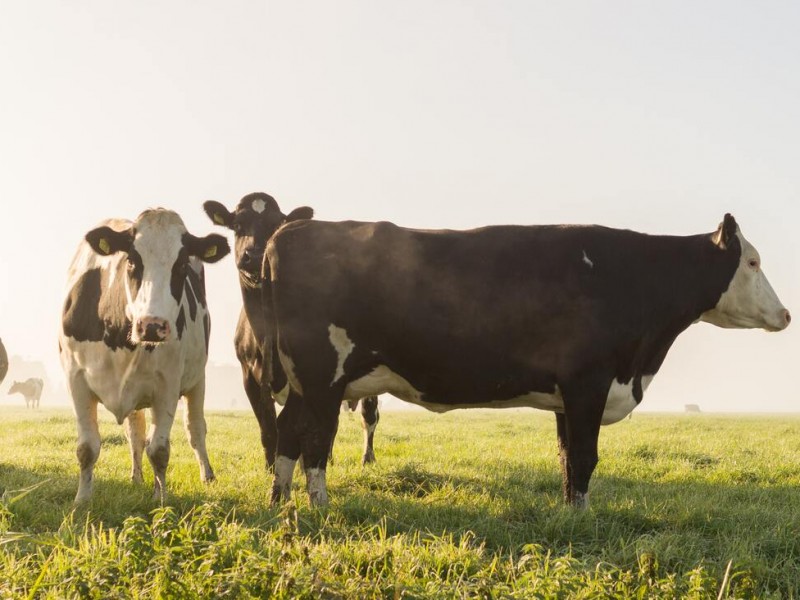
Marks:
<point>658,117</point>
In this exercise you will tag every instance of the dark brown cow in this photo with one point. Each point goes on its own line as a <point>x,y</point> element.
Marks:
<point>572,319</point>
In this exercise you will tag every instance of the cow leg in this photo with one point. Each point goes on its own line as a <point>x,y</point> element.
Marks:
<point>135,431</point>
<point>85,404</point>
<point>321,423</point>
<point>333,439</point>
<point>264,410</point>
<point>369,421</point>
<point>194,423</point>
<point>566,477</point>
<point>288,448</point>
<point>163,415</point>
<point>583,411</point>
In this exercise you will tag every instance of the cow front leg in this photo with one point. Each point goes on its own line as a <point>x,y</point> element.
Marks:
<point>289,426</point>
<point>369,422</point>
<point>563,457</point>
<point>194,424</point>
<point>163,415</point>
<point>583,411</point>
<point>135,431</point>
<point>88,450</point>
<point>258,394</point>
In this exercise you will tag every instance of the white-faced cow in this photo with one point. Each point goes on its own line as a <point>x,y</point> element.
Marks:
<point>253,221</point>
<point>30,389</point>
<point>135,331</point>
<point>3,362</point>
<point>572,319</point>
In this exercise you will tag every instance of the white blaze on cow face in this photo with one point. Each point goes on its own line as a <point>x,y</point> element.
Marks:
<point>158,243</point>
<point>749,302</point>
<point>343,346</point>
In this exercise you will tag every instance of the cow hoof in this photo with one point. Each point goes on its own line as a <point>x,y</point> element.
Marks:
<point>367,459</point>
<point>580,501</point>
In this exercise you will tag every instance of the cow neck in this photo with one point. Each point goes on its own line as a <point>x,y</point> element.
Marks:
<point>253,306</point>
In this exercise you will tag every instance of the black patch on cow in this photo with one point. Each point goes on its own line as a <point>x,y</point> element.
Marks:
<point>207,329</point>
<point>93,312</point>
<point>180,322</point>
<point>197,282</point>
<point>190,300</point>
<point>178,276</point>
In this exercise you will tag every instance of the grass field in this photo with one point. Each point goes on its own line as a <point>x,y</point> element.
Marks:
<point>459,505</point>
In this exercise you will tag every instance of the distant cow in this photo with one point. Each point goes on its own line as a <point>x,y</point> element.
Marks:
<point>31,390</point>
<point>572,319</point>
<point>691,408</point>
<point>3,362</point>
<point>135,332</point>
<point>253,221</point>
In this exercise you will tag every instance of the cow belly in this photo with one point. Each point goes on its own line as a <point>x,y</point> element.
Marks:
<point>384,380</point>
<point>621,401</point>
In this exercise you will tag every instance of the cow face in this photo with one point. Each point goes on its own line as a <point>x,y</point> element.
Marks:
<point>15,387</point>
<point>253,222</point>
<point>159,250</point>
<point>749,302</point>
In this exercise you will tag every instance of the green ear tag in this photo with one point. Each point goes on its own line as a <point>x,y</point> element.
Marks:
<point>104,246</point>
<point>211,252</point>
<point>219,220</point>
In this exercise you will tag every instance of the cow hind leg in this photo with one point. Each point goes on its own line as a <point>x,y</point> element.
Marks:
<point>369,421</point>
<point>135,431</point>
<point>322,419</point>
<point>194,423</point>
<point>288,450</point>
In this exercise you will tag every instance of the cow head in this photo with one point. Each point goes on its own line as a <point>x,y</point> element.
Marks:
<point>253,221</point>
<point>159,252</point>
<point>749,302</point>
<point>15,387</point>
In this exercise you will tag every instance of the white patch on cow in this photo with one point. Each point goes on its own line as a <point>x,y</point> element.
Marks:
<point>281,396</point>
<point>587,260</point>
<point>284,473</point>
<point>258,206</point>
<point>620,401</point>
<point>317,487</point>
<point>288,367</point>
<point>343,346</point>
<point>749,302</point>
<point>581,500</point>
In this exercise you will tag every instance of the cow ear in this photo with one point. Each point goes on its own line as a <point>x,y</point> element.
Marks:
<point>726,231</point>
<point>106,241</point>
<point>302,212</point>
<point>218,214</point>
<point>209,249</point>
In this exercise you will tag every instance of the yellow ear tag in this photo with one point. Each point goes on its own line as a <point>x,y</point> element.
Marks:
<point>219,220</point>
<point>211,252</point>
<point>104,246</point>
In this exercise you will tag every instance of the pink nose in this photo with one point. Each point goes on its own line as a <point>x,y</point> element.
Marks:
<point>151,329</point>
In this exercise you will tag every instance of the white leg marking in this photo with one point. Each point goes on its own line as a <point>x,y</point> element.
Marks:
<point>284,473</point>
<point>317,487</point>
<point>587,260</point>
<point>135,431</point>
<point>194,424</point>
<point>343,346</point>
<point>581,501</point>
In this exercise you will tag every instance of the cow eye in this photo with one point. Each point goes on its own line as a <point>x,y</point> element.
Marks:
<point>753,263</point>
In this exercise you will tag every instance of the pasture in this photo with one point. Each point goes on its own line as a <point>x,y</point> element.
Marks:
<point>466,504</point>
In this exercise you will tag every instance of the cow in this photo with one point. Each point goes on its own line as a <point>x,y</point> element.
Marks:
<point>135,332</point>
<point>3,362</point>
<point>253,221</point>
<point>31,390</point>
<point>571,319</point>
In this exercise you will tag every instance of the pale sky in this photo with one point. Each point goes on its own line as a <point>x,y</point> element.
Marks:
<point>658,117</point>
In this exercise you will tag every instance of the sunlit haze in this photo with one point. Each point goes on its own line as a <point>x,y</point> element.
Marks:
<point>658,117</point>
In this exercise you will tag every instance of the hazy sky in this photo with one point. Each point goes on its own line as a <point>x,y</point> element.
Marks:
<point>658,117</point>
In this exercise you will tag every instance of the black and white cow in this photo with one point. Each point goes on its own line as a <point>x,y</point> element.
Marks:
<point>572,319</point>
<point>135,332</point>
<point>3,362</point>
<point>30,389</point>
<point>253,221</point>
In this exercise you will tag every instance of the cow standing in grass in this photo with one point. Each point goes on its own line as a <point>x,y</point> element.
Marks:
<point>253,221</point>
<point>572,319</point>
<point>30,389</point>
<point>135,332</point>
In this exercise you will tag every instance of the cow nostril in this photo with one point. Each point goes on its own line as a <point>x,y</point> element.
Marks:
<point>788,316</point>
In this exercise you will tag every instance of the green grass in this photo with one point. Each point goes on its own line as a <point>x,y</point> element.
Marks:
<point>460,505</point>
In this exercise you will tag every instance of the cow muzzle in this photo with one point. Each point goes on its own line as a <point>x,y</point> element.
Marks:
<point>152,330</point>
